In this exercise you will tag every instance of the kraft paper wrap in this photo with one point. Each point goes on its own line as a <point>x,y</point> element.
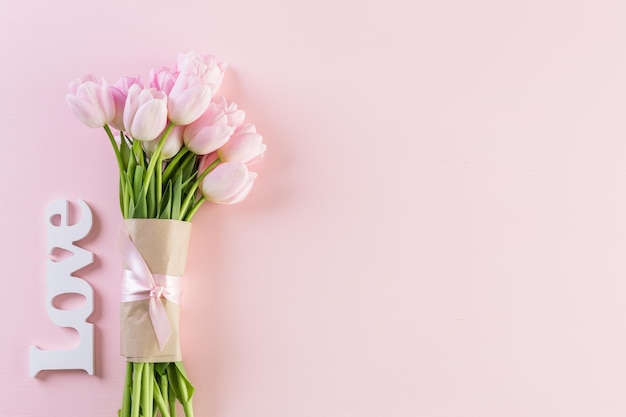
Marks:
<point>163,244</point>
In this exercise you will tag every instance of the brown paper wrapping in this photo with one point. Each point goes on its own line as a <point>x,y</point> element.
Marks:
<point>163,244</point>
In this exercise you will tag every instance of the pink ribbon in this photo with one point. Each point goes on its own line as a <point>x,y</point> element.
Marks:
<point>139,283</point>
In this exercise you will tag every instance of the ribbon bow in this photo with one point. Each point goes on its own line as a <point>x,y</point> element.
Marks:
<point>139,283</point>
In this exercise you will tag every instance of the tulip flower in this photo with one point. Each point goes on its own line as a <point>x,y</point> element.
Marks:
<point>91,101</point>
<point>188,99</point>
<point>205,67</point>
<point>244,146</point>
<point>235,115</point>
<point>209,132</point>
<point>228,183</point>
<point>120,91</point>
<point>145,112</point>
<point>173,143</point>
<point>243,191</point>
<point>163,79</point>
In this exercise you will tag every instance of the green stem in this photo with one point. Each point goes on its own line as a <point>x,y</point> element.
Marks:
<point>194,187</point>
<point>122,195</point>
<point>158,399</point>
<point>187,407</point>
<point>120,165</point>
<point>128,383</point>
<point>164,389</point>
<point>173,382</point>
<point>146,398</point>
<point>138,153</point>
<point>116,149</point>
<point>159,181</point>
<point>128,198</point>
<point>194,209</point>
<point>189,159</point>
<point>172,164</point>
<point>137,377</point>
<point>172,403</point>
<point>154,159</point>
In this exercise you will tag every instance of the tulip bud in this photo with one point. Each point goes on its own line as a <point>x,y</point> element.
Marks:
<point>228,183</point>
<point>209,132</point>
<point>145,112</point>
<point>172,145</point>
<point>163,79</point>
<point>244,191</point>
<point>235,115</point>
<point>205,67</point>
<point>244,146</point>
<point>120,91</point>
<point>188,99</point>
<point>91,101</point>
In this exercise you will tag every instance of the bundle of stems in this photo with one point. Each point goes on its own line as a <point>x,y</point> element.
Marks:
<point>153,188</point>
<point>151,388</point>
<point>206,159</point>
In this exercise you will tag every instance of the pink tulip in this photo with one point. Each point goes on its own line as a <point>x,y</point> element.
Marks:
<point>145,112</point>
<point>206,161</point>
<point>228,183</point>
<point>244,146</point>
<point>199,77</point>
<point>120,91</point>
<point>205,67</point>
<point>188,99</point>
<point>172,145</point>
<point>209,132</point>
<point>244,191</point>
<point>163,79</point>
<point>235,116</point>
<point>91,101</point>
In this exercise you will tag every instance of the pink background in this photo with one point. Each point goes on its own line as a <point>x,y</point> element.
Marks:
<point>437,230</point>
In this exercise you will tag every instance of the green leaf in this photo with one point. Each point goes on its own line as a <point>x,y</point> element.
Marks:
<point>166,202</point>
<point>128,197</point>
<point>161,367</point>
<point>183,377</point>
<point>139,155</point>
<point>187,182</point>
<point>188,168</point>
<point>124,150</point>
<point>131,164</point>
<point>151,199</point>
<point>141,209</point>
<point>137,181</point>
<point>172,378</point>
<point>176,195</point>
<point>121,192</point>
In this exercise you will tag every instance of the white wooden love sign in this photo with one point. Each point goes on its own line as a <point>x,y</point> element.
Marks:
<point>60,280</point>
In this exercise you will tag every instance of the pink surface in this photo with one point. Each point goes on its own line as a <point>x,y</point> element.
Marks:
<point>437,230</point>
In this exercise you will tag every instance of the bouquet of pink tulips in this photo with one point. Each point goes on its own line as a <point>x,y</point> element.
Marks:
<point>178,146</point>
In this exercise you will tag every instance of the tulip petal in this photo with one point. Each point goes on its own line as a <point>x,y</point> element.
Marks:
<point>187,106</point>
<point>225,181</point>
<point>84,111</point>
<point>149,121</point>
<point>208,139</point>
<point>243,193</point>
<point>91,101</point>
<point>242,147</point>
